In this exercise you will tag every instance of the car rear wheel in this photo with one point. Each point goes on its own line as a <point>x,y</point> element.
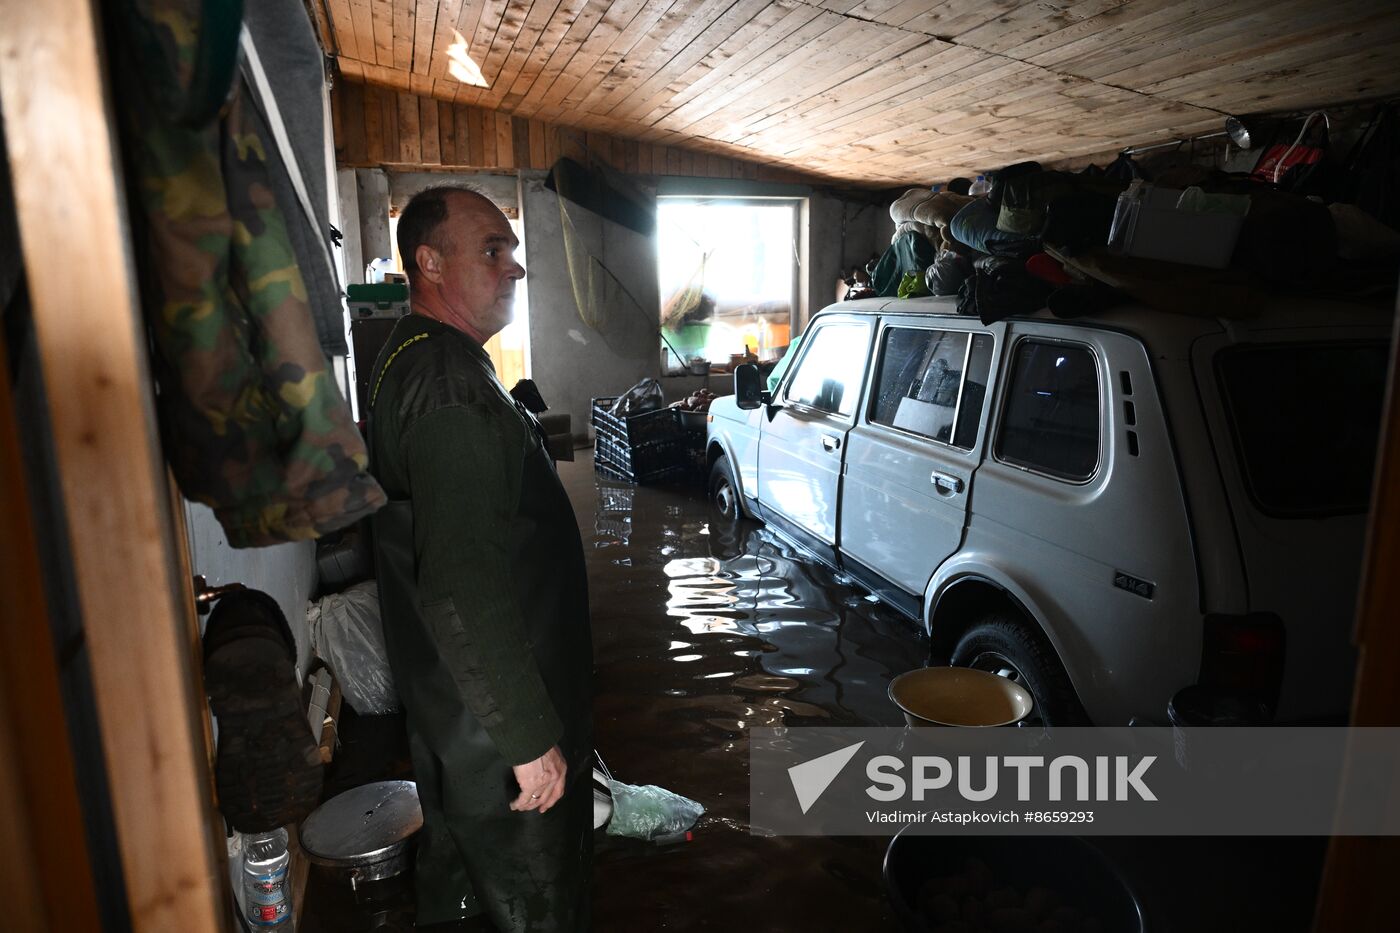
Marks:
<point>1002,644</point>
<point>724,491</point>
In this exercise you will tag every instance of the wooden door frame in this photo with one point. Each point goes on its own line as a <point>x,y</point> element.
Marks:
<point>76,242</point>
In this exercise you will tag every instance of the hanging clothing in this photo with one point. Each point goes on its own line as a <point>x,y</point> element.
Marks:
<point>253,423</point>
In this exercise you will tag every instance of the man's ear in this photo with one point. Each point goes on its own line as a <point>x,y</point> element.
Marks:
<point>429,263</point>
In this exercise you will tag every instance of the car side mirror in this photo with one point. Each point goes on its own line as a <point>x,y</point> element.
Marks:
<point>749,392</point>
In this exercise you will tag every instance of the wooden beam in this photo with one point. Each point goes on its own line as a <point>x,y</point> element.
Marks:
<point>47,876</point>
<point>1360,869</point>
<point>91,342</point>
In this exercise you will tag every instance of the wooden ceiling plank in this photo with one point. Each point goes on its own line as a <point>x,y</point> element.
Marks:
<point>874,90</point>
<point>448,18</point>
<point>362,16</point>
<point>714,34</point>
<point>771,61</point>
<point>786,110</point>
<point>404,12</point>
<point>1221,43</point>
<point>491,17</point>
<point>527,46</point>
<point>789,80</point>
<point>951,68</point>
<point>527,91</point>
<point>615,19</point>
<point>1173,30</point>
<point>681,79</point>
<point>645,52</point>
<point>955,19</point>
<point>468,22</point>
<point>658,21</point>
<point>382,14</point>
<point>507,95</point>
<point>493,56</point>
<point>1364,74</point>
<point>424,34</point>
<point>1283,64</point>
<point>1114,30</point>
<point>1031,21</point>
<point>343,27</point>
<point>733,58</point>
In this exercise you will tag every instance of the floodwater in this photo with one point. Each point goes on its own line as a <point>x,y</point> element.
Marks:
<point>702,630</point>
<point>705,629</point>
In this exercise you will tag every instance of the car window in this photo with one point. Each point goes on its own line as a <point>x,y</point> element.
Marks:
<point>828,375</point>
<point>1306,418</point>
<point>921,387</point>
<point>1050,419</point>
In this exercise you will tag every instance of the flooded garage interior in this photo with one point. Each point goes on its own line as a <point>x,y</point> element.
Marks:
<point>705,628</point>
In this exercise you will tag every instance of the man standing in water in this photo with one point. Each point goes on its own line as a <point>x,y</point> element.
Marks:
<point>483,590</point>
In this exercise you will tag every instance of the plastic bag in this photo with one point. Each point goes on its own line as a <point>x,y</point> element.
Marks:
<point>643,397</point>
<point>346,633</point>
<point>648,811</point>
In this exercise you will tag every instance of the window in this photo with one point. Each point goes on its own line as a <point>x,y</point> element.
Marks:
<point>1050,421</point>
<point>728,276</point>
<point>828,376</point>
<point>1306,419</point>
<point>922,388</point>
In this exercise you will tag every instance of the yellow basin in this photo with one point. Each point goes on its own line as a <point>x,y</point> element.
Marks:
<point>959,696</point>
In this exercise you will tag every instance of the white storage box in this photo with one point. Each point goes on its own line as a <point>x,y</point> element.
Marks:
<point>1148,224</point>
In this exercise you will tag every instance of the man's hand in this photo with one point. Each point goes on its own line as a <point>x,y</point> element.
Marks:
<point>541,781</point>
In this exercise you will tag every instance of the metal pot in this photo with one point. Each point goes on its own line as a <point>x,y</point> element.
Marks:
<point>364,834</point>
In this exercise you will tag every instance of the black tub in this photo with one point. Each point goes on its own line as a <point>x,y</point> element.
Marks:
<point>1065,864</point>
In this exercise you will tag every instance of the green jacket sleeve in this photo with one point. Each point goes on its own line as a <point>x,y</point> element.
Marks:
<point>463,468</point>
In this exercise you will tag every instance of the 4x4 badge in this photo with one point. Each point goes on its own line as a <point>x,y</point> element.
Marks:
<point>1133,585</point>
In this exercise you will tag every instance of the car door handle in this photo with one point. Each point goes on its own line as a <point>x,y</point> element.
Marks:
<point>831,442</point>
<point>946,483</point>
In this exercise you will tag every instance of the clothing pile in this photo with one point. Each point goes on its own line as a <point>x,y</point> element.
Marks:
<point>1081,242</point>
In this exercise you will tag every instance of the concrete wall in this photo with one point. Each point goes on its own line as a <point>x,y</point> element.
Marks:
<point>573,359</point>
<point>286,572</point>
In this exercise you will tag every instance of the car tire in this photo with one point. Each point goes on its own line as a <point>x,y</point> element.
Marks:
<point>724,490</point>
<point>1001,643</point>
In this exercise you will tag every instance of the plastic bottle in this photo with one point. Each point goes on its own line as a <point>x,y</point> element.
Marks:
<point>979,187</point>
<point>267,902</point>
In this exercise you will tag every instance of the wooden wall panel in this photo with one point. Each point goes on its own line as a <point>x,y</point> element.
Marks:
<point>381,126</point>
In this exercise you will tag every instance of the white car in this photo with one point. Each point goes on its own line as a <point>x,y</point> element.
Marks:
<point>1106,509</point>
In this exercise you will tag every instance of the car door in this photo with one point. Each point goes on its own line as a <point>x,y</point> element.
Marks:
<point>910,458</point>
<point>802,443</point>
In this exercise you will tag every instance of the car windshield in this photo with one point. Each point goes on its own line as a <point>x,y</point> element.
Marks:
<point>1305,419</point>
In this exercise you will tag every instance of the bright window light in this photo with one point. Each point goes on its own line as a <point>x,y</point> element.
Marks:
<point>728,278</point>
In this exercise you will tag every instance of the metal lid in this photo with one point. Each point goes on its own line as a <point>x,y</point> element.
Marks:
<point>364,825</point>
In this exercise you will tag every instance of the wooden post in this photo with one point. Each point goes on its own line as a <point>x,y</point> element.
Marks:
<point>46,878</point>
<point>77,252</point>
<point>1360,869</point>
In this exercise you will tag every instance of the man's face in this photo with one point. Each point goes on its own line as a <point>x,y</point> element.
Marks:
<point>477,266</point>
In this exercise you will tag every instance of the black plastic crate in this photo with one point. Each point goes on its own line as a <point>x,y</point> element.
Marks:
<point>641,449</point>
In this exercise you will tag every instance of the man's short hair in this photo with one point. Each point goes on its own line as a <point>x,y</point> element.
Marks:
<point>421,221</point>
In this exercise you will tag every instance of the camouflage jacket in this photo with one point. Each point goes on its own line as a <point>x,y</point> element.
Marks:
<point>252,420</point>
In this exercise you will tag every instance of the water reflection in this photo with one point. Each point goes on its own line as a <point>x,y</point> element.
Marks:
<point>704,629</point>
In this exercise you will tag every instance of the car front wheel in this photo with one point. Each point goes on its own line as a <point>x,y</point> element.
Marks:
<point>1003,644</point>
<point>724,491</point>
